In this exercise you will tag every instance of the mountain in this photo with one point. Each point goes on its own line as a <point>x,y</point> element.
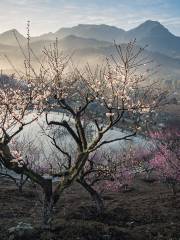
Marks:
<point>166,65</point>
<point>148,29</point>
<point>47,36</point>
<point>157,37</point>
<point>70,43</point>
<point>93,43</point>
<point>6,49</point>
<point>9,38</point>
<point>81,54</point>
<point>74,42</point>
<point>166,69</point>
<point>99,32</point>
<point>151,33</point>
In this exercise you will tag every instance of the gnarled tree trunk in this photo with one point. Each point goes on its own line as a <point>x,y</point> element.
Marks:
<point>94,195</point>
<point>47,204</point>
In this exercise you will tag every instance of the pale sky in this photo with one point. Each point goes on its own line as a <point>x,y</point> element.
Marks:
<point>50,15</point>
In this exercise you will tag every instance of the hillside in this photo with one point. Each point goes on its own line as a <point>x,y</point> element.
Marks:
<point>148,212</point>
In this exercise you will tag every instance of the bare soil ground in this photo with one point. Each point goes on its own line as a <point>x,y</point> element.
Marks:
<point>149,212</point>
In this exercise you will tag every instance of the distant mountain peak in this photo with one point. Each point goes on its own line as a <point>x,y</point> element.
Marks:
<point>95,25</point>
<point>149,29</point>
<point>150,24</point>
<point>12,32</point>
<point>9,37</point>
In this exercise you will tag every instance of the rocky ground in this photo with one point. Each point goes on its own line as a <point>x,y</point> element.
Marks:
<point>149,212</point>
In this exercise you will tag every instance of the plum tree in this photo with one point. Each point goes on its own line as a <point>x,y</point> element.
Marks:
<point>166,157</point>
<point>105,96</point>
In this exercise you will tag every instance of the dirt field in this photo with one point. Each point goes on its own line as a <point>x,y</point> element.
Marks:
<point>148,212</point>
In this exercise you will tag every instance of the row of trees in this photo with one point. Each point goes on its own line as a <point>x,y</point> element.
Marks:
<point>118,90</point>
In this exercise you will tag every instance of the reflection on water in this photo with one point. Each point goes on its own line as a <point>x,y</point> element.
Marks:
<point>45,154</point>
<point>36,133</point>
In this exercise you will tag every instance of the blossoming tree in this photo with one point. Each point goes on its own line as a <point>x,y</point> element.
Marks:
<point>166,159</point>
<point>105,96</point>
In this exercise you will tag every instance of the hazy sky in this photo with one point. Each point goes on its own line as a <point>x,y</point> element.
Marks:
<point>50,15</point>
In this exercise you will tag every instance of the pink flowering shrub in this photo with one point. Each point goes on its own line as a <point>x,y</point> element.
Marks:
<point>166,157</point>
<point>120,180</point>
<point>166,164</point>
<point>115,171</point>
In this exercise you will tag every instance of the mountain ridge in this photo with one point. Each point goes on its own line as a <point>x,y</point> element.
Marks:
<point>163,46</point>
<point>151,33</point>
